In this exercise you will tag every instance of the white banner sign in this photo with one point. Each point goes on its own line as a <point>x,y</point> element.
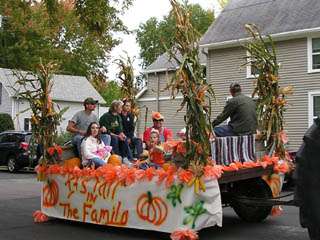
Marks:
<point>144,204</point>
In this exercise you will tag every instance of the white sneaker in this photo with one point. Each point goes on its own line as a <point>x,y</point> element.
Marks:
<point>127,162</point>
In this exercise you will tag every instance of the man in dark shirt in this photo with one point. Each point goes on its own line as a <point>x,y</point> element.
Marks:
<point>112,122</point>
<point>128,128</point>
<point>242,112</point>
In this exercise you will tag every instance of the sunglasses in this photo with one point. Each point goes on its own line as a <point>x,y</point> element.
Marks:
<point>160,120</point>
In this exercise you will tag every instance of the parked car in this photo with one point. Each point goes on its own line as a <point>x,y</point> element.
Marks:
<point>15,152</point>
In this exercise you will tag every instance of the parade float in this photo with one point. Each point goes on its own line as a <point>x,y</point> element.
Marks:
<point>187,194</point>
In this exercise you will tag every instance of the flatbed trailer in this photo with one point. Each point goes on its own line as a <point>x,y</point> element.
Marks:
<point>244,190</point>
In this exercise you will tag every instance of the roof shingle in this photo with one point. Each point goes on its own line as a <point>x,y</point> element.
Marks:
<point>163,63</point>
<point>271,17</point>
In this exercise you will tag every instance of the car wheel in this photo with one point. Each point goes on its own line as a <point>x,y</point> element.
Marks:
<point>12,164</point>
<point>252,188</point>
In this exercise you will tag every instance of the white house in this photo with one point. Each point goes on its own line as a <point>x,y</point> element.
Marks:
<point>68,91</point>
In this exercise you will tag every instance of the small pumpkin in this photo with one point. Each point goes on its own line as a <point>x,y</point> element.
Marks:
<point>152,209</point>
<point>72,162</point>
<point>166,166</point>
<point>115,160</point>
<point>50,194</point>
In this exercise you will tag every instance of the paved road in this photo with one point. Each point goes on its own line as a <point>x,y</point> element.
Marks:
<point>20,197</point>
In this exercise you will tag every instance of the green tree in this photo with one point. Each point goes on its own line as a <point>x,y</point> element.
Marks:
<point>78,34</point>
<point>6,122</point>
<point>154,35</point>
<point>109,90</point>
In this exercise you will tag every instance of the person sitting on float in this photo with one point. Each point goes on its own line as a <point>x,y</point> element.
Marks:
<point>93,151</point>
<point>165,134</point>
<point>182,134</point>
<point>156,150</point>
<point>112,121</point>
<point>155,154</point>
<point>79,123</point>
<point>241,110</point>
<point>135,143</point>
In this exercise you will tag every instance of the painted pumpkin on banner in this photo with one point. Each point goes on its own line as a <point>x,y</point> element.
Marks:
<point>152,209</point>
<point>50,194</point>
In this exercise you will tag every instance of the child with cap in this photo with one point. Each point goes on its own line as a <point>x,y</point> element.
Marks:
<point>165,134</point>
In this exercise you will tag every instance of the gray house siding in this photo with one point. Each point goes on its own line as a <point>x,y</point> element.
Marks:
<point>168,109</point>
<point>146,107</point>
<point>224,68</point>
<point>152,86</point>
<point>167,106</point>
<point>6,101</point>
<point>165,79</point>
<point>158,82</point>
<point>173,119</point>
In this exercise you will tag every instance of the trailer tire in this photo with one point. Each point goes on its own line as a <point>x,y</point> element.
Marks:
<point>255,188</point>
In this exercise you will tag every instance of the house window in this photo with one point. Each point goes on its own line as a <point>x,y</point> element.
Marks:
<point>314,106</point>
<point>26,125</point>
<point>252,72</point>
<point>204,71</point>
<point>0,93</point>
<point>314,54</point>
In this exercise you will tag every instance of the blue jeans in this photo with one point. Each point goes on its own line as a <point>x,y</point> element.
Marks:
<point>145,165</point>
<point>224,131</point>
<point>136,144</point>
<point>98,162</point>
<point>76,141</point>
<point>106,139</point>
<point>121,148</point>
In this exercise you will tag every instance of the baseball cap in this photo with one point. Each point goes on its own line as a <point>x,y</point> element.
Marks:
<point>157,116</point>
<point>90,100</point>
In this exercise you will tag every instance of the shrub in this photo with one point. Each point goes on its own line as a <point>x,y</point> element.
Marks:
<point>63,137</point>
<point>6,122</point>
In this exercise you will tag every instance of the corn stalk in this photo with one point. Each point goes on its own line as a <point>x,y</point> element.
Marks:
<point>190,81</point>
<point>126,76</point>
<point>36,89</point>
<point>271,103</point>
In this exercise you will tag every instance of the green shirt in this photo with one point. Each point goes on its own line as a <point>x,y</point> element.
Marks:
<point>113,123</point>
<point>242,112</point>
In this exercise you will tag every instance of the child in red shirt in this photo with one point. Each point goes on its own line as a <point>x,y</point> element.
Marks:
<point>156,152</point>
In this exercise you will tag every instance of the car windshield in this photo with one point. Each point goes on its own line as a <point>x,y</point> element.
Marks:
<point>28,138</point>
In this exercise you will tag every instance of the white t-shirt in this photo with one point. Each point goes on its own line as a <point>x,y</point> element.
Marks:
<point>89,149</point>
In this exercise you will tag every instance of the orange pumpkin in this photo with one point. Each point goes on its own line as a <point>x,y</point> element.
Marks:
<point>50,194</point>
<point>152,209</point>
<point>115,160</point>
<point>166,166</point>
<point>72,162</point>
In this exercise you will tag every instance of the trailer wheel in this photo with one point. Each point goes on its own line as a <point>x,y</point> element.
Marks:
<point>255,188</point>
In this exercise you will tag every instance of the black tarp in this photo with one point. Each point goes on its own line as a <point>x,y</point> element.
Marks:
<point>308,180</point>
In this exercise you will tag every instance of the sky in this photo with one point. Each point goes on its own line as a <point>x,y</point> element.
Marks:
<point>140,12</point>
